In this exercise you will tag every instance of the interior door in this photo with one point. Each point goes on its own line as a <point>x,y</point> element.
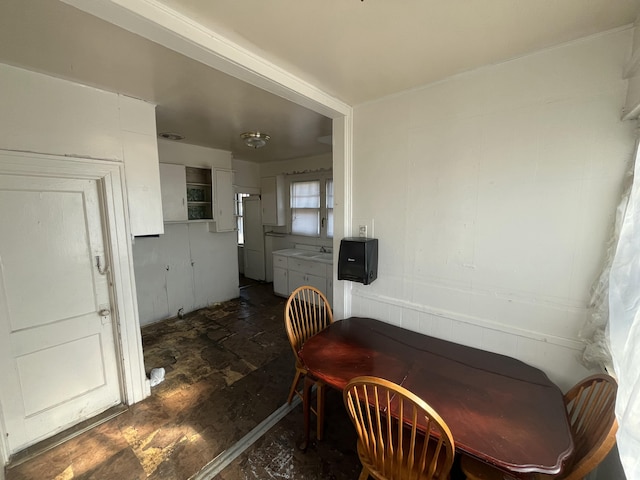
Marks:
<point>59,362</point>
<point>253,238</point>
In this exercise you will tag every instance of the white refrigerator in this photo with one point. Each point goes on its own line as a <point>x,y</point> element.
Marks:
<point>254,261</point>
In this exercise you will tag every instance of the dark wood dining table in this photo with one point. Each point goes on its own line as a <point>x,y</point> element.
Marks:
<point>500,410</point>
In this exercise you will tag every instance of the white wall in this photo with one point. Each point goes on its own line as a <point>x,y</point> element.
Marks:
<point>492,194</point>
<point>69,119</point>
<point>66,123</point>
<point>246,176</point>
<point>188,267</point>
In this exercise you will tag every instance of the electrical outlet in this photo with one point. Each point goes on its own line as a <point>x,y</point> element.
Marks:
<point>362,227</point>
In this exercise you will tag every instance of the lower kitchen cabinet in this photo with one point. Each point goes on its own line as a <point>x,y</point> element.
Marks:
<point>281,281</point>
<point>290,272</point>
<point>298,279</point>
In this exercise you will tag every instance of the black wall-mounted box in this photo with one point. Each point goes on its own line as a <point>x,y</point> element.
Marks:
<point>358,260</point>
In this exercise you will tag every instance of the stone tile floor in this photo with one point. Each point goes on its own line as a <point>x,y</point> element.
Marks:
<point>276,456</point>
<point>228,367</point>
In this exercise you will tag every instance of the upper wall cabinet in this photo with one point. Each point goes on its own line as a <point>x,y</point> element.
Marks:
<point>224,201</point>
<point>198,194</point>
<point>273,198</point>
<point>140,152</point>
<point>173,179</point>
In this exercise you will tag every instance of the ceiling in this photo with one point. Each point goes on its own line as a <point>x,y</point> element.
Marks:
<point>208,107</point>
<point>363,50</point>
<point>356,51</point>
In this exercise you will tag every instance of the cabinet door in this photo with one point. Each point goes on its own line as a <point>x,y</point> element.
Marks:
<point>280,282</point>
<point>318,282</point>
<point>296,279</point>
<point>272,195</point>
<point>143,183</point>
<point>173,181</point>
<point>140,150</point>
<point>224,212</point>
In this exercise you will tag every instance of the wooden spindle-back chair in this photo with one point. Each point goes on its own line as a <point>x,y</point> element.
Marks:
<point>591,413</point>
<point>395,448</point>
<point>306,313</point>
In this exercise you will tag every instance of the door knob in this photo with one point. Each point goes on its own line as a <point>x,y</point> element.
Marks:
<point>105,312</point>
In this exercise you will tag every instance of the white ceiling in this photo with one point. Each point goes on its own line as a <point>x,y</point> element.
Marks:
<point>354,50</point>
<point>210,108</point>
<point>362,50</point>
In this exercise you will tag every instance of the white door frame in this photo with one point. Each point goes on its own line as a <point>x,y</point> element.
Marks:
<point>110,176</point>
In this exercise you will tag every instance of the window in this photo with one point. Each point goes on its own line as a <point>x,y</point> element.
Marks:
<point>311,203</point>
<point>238,212</point>
<point>305,208</point>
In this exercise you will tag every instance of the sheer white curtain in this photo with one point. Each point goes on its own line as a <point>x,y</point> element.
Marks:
<point>595,333</point>
<point>624,327</point>
<point>612,333</point>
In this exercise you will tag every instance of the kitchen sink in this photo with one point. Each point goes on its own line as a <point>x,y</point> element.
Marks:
<point>308,254</point>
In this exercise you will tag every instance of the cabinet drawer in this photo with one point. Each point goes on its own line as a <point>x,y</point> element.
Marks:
<point>306,266</point>
<point>279,261</point>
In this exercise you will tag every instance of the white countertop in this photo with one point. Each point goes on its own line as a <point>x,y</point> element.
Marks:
<point>323,257</point>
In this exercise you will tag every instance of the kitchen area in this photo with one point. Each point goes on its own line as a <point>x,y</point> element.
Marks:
<point>196,262</point>
<point>272,250</point>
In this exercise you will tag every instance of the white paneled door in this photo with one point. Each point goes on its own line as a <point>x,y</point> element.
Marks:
<point>59,362</point>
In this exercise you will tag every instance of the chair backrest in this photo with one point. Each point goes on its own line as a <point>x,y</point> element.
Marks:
<point>393,449</point>
<point>307,312</point>
<point>591,412</point>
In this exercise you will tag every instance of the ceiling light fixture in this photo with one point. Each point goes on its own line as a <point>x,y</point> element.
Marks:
<point>171,136</point>
<point>255,139</point>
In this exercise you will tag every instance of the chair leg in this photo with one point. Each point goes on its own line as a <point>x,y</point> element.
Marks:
<point>292,391</point>
<point>364,474</point>
<point>320,410</point>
